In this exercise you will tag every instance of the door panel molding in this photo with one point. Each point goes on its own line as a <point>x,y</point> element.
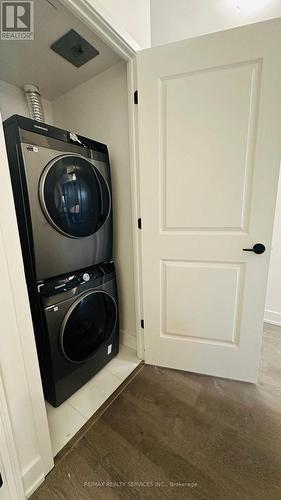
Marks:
<point>176,321</point>
<point>168,170</point>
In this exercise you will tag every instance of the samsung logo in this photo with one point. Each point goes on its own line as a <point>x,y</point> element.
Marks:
<point>41,128</point>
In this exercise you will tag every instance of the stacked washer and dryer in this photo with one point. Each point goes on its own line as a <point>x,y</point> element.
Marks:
<point>62,191</point>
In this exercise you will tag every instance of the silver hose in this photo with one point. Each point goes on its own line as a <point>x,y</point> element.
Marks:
<point>33,98</point>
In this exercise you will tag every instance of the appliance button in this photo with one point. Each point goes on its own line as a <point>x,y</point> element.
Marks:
<point>57,287</point>
<point>86,277</point>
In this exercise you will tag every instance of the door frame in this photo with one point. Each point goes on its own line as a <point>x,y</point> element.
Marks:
<point>115,37</point>
<point>9,459</point>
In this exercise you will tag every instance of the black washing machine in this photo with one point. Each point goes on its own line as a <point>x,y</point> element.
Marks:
<point>76,328</point>
<point>62,192</point>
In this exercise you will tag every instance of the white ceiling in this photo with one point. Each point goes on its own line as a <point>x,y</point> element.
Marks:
<point>34,62</point>
<point>181,19</point>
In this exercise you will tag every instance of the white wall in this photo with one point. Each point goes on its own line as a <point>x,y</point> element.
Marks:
<point>99,109</point>
<point>133,16</point>
<point>12,102</point>
<point>273,298</point>
<point>180,19</point>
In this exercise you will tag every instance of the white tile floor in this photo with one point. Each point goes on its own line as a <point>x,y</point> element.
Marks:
<point>68,418</point>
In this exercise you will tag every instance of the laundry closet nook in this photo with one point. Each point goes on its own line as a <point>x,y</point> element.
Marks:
<point>84,127</point>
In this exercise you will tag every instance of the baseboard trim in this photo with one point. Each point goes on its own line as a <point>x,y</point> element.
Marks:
<point>32,476</point>
<point>272,317</point>
<point>34,486</point>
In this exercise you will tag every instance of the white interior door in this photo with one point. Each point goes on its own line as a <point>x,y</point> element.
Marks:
<point>210,143</point>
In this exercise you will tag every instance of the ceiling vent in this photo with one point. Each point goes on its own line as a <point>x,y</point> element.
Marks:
<point>74,48</point>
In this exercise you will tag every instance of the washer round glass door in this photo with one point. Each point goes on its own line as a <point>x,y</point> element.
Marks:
<point>74,196</point>
<point>87,325</point>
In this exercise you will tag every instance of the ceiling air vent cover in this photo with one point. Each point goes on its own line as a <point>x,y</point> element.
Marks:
<point>74,48</point>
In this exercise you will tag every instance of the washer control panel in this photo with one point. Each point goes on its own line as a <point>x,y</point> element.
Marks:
<point>70,281</point>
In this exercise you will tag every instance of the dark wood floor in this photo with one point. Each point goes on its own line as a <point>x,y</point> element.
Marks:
<point>174,435</point>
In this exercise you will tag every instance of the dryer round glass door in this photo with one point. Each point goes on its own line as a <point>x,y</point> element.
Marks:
<point>87,325</point>
<point>74,196</point>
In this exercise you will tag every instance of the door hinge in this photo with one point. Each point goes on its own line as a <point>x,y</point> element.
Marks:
<point>136,97</point>
<point>142,323</point>
<point>1,481</point>
<point>139,223</point>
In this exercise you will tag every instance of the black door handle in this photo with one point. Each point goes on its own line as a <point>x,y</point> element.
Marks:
<point>257,248</point>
